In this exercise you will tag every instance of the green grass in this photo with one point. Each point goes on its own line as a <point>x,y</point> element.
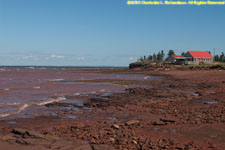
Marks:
<point>209,66</point>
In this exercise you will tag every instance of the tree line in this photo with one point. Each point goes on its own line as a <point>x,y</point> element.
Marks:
<point>156,57</point>
<point>219,58</point>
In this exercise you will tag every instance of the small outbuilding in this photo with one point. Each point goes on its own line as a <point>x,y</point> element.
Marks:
<point>174,59</point>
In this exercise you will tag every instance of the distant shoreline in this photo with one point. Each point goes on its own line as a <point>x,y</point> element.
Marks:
<point>122,67</point>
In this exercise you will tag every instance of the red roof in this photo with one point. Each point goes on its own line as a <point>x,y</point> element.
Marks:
<point>200,54</point>
<point>177,56</point>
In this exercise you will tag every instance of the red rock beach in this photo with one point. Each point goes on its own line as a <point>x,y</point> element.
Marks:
<point>106,109</point>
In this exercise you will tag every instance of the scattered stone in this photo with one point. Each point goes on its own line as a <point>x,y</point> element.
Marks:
<point>196,94</point>
<point>168,120</point>
<point>20,141</point>
<point>132,122</point>
<point>78,125</point>
<point>22,132</point>
<point>210,102</point>
<point>180,147</point>
<point>134,142</point>
<point>112,140</point>
<point>211,145</point>
<point>92,141</point>
<point>115,126</point>
<point>213,92</point>
<point>159,123</point>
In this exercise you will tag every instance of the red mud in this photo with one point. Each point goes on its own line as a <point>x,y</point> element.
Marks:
<point>183,111</point>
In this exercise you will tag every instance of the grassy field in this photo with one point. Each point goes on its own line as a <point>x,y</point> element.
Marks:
<point>208,66</point>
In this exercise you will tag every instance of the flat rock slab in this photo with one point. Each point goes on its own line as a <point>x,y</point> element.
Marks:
<point>83,147</point>
<point>102,147</point>
<point>171,120</point>
<point>100,99</point>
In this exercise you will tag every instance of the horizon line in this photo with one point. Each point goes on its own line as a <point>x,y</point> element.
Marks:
<point>66,66</point>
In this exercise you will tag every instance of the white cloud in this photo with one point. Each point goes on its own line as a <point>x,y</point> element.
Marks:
<point>132,58</point>
<point>57,56</point>
<point>27,57</point>
<point>30,57</point>
<point>81,58</point>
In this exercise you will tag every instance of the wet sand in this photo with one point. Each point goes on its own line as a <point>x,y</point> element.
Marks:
<point>179,110</point>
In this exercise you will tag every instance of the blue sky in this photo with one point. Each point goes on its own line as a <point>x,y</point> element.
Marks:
<point>100,32</point>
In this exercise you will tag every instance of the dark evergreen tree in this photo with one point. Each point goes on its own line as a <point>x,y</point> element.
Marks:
<point>154,58</point>
<point>216,58</point>
<point>171,52</point>
<point>159,57</point>
<point>184,53</point>
<point>162,55</point>
<point>149,58</point>
<point>144,58</point>
<point>222,57</point>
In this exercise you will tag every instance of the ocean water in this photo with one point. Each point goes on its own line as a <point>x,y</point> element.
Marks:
<point>24,87</point>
